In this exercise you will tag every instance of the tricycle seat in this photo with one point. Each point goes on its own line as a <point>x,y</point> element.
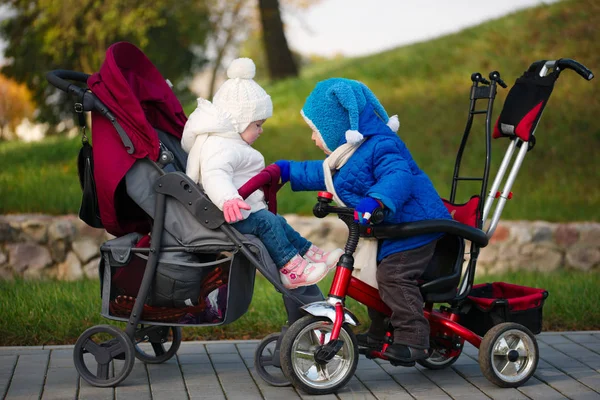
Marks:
<point>440,280</point>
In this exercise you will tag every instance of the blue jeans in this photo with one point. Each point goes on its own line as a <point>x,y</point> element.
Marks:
<point>280,239</point>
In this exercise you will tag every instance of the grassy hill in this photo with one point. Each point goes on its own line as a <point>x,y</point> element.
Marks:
<point>428,85</point>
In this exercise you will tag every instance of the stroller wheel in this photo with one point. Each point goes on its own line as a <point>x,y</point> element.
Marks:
<point>508,355</point>
<point>156,344</point>
<point>103,355</point>
<point>298,348</point>
<point>267,363</point>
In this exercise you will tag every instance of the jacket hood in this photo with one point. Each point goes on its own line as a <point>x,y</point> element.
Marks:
<point>207,119</point>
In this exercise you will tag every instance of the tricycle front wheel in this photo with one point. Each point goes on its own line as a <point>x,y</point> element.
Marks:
<point>302,340</point>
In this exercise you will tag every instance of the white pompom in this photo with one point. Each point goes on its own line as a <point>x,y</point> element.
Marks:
<point>394,123</point>
<point>353,137</point>
<point>243,68</point>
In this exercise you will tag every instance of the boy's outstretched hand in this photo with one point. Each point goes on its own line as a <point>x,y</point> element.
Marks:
<point>364,210</point>
<point>231,210</point>
<point>284,167</point>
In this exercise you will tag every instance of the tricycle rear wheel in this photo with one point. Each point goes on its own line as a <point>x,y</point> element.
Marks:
<point>508,355</point>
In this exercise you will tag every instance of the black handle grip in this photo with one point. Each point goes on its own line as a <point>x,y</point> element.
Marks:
<point>378,216</point>
<point>59,78</point>
<point>477,77</point>
<point>495,76</point>
<point>567,63</point>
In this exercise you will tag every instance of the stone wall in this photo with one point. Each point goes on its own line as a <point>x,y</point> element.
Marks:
<point>63,247</point>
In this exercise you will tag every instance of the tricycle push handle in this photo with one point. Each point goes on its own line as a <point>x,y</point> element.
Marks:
<point>495,76</point>
<point>567,63</point>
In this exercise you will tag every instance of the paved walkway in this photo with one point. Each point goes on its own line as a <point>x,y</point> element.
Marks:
<point>569,367</point>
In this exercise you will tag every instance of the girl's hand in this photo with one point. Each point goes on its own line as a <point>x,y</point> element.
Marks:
<point>231,210</point>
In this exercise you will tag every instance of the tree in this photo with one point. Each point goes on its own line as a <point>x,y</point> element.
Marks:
<point>74,34</point>
<point>280,62</point>
<point>15,105</point>
<point>232,21</point>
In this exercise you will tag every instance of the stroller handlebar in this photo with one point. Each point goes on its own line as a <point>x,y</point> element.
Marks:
<point>59,78</point>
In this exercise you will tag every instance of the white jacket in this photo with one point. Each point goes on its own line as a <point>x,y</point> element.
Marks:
<point>218,158</point>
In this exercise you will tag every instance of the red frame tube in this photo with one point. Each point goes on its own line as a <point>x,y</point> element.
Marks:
<point>369,296</point>
<point>339,320</point>
<point>340,283</point>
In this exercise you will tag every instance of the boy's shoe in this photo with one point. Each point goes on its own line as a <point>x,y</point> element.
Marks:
<point>404,355</point>
<point>369,341</point>
<point>300,272</point>
<point>317,255</point>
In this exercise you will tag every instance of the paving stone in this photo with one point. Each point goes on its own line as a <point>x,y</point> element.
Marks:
<point>7,365</point>
<point>468,370</point>
<point>495,392</point>
<point>417,384</point>
<point>582,337</point>
<point>22,351</point>
<point>387,390</point>
<point>580,353</point>
<point>191,348</point>
<point>224,358</point>
<point>552,338</point>
<point>61,358</point>
<point>536,389</point>
<point>588,377</point>
<point>565,384</point>
<point>558,359</point>
<point>372,374</point>
<point>61,383</point>
<point>221,348</point>
<point>170,395</point>
<point>195,358</point>
<point>165,377</point>
<point>198,396</point>
<point>452,383</point>
<point>28,376</point>
<point>87,391</point>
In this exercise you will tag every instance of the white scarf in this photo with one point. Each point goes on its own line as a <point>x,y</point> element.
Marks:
<point>366,253</point>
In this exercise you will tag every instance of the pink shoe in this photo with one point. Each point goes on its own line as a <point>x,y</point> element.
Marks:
<point>300,272</point>
<point>330,258</point>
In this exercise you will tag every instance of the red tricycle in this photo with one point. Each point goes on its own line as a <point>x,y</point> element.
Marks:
<point>319,352</point>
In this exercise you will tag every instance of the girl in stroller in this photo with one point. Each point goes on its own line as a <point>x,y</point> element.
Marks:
<point>218,137</point>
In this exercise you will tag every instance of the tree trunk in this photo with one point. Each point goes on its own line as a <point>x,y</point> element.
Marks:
<point>279,57</point>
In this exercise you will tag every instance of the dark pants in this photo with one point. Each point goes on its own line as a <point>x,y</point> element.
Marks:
<point>397,276</point>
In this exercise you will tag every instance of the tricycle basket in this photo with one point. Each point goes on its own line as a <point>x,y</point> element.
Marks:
<point>490,304</point>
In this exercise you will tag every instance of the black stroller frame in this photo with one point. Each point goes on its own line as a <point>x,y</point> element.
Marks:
<point>178,186</point>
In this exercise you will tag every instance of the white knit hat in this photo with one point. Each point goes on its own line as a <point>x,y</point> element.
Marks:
<point>243,98</point>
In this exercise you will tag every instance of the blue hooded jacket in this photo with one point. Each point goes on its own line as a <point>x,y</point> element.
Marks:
<point>381,168</point>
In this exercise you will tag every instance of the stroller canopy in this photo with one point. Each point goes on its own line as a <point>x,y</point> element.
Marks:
<point>138,96</point>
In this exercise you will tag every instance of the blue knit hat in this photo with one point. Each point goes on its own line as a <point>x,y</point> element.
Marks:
<point>333,108</point>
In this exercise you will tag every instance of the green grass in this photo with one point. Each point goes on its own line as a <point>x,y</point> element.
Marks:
<point>427,84</point>
<point>54,312</point>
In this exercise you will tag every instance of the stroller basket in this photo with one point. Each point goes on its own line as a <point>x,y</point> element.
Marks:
<point>490,304</point>
<point>216,289</point>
